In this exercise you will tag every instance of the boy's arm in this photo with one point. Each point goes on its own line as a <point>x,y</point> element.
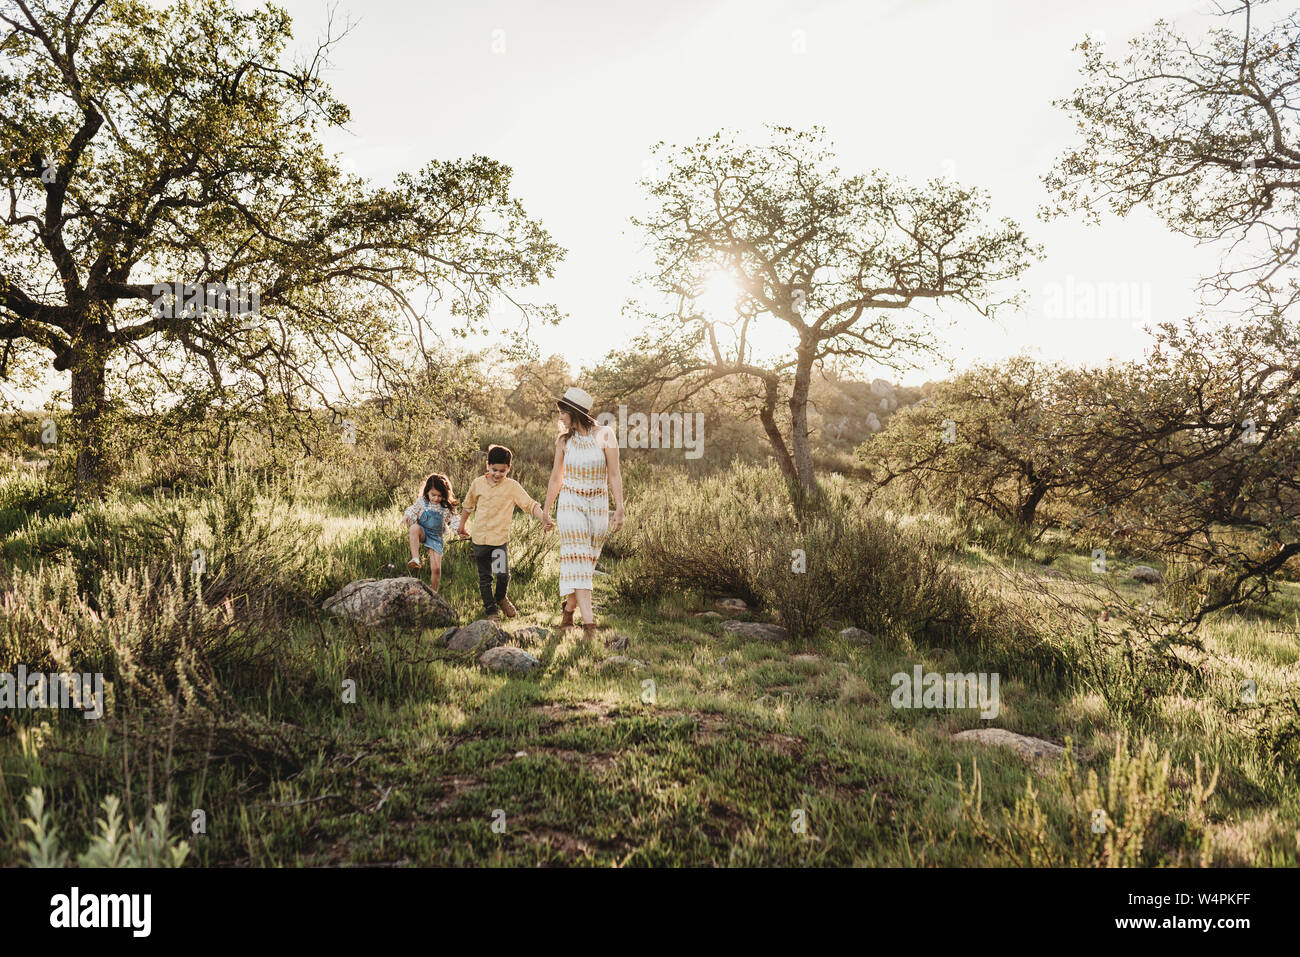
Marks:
<point>526,503</point>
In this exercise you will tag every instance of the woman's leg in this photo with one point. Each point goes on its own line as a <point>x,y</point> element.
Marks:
<point>416,536</point>
<point>584,602</point>
<point>435,569</point>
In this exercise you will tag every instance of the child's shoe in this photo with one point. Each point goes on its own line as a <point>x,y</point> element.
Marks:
<point>506,605</point>
<point>413,563</point>
<point>490,614</point>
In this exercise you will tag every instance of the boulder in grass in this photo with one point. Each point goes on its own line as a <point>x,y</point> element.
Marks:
<point>618,642</point>
<point>1022,744</point>
<point>477,635</point>
<point>858,636</point>
<point>756,630</point>
<point>620,661</point>
<point>530,634</point>
<point>377,602</point>
<point>731,604</point>
<point>1146,574</point>
<point>509,658</point>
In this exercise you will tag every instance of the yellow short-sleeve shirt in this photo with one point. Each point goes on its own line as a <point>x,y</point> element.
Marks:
<point>493,507</point>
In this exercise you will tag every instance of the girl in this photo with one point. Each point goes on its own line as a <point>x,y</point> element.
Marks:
<point>428,520</point>
<point>585,472</point>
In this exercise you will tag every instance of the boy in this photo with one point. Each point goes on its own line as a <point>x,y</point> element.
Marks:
<point>492,498</point>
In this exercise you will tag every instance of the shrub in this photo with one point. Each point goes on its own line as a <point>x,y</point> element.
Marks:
<point>1132,819</point>
<point>738,534</point>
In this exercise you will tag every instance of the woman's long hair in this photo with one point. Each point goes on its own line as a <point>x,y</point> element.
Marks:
<point>576,417</point>
<point>443,485</point>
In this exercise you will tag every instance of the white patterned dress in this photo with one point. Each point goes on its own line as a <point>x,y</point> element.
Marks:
<point>583,511</point>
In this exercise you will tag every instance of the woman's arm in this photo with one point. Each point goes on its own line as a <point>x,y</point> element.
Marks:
<point>615,475</point>
<point>557,475</point>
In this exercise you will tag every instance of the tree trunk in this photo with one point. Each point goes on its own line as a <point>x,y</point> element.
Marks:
<point>1030,505</point>
<point>768,417</point>
<point>799,420</point>
<point>88,405</point>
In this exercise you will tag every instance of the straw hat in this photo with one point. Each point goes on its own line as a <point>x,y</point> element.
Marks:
<point>577,399</point>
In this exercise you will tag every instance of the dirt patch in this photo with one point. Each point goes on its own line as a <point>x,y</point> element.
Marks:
<point>567,844</point>
<point>593,761</point>
<point>558,713</point>
<point>455,786</point>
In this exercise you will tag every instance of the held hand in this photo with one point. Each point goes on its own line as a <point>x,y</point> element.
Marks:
<point>549,523</point>
<point>616,521</point>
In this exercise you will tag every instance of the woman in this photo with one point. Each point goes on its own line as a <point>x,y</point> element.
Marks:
<point>586,462</point>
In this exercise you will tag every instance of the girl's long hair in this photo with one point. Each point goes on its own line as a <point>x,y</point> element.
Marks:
<point>443,485</point>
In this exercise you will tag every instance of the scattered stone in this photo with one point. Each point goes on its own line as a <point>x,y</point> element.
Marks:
<point>722,662</point>
<point>376,602</point>
<point>446,635</point>
<point>731,604</point>
<point>477,635</point>
<point>805,657</point>
<point>756,630</point>
<point>620,661</point>
<point>509,658</point>
<point>706,614</point>
<point>530,634</point>
<point>1146,574</point>
<point>1022,744</point>
<point>521,754</point>
<point>858,636</point>
<point>618,642</point>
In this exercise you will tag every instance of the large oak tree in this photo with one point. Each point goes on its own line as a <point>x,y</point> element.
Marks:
<point>824,265</point>
<point>146,146</point>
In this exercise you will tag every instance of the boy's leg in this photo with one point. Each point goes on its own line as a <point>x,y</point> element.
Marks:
<point>483,561</point>
<point>501,564</point>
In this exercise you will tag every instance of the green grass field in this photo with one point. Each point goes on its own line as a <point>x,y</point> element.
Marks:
<point>713,751</point>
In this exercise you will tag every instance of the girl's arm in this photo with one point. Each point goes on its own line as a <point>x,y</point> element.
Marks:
<point>557,475</point>
<point>615,475</point>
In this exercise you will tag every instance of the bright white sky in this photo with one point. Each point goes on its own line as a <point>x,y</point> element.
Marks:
<point>583,88</point>
<point>926,88</point>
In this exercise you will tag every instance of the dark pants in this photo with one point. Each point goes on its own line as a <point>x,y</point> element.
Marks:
<point>484,557</point>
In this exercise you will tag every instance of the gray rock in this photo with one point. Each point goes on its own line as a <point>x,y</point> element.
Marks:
<point>756,630</point>
<point>618,642</point>
<point>858,636</point>
<point>620,661</point>
<point>375,602</point>
<point>706,614</point>
<point>1022,744</point>
<point>509,658</point>
<point>530,634</point>
<point>1147,574</point>
<point>731,604</point>
<point>477,635</point>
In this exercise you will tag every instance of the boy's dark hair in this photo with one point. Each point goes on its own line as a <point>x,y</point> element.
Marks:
<point>499,455</point>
